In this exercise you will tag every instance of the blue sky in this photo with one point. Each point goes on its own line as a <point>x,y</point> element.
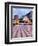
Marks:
<point>20,11</point>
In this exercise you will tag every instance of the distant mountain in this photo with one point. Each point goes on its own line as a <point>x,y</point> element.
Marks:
<point>29,15</point>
